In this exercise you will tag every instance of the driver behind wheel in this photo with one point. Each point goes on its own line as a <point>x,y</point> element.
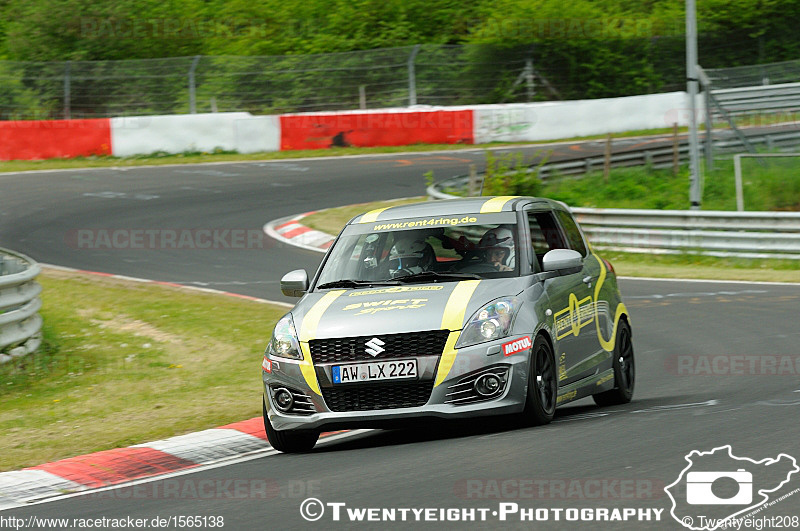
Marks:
<point>498,248</point>
<point>410,256</point>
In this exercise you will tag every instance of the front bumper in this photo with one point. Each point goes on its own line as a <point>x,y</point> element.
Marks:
<point>319,412</point>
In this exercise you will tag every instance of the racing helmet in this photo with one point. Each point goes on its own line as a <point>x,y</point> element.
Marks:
<point>499,238</point>
<point>410,255</point>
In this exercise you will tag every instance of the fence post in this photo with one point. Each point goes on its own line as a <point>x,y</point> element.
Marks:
<point>676,161</point>
<point>529,86</point>
<point>362,96</point>
<point>192,87</point>
<point>412,77</point>
<point>67,91</point>
<point>607,159</point>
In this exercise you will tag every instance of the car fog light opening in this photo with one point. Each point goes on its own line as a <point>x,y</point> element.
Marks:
<point>283,399</point>
<point>488,385</point>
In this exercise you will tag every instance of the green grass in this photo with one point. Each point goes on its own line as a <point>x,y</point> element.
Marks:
<point>775,187</point>
<point>333,219</point>
<point>703,267</point>
<point>125,363</point>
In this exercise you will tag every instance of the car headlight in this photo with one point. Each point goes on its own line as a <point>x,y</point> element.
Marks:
<point>493,321</point>
<point>284,342</point>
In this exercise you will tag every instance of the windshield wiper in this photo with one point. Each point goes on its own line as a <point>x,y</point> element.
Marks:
<point>348,283</point>
<point>433,275</point>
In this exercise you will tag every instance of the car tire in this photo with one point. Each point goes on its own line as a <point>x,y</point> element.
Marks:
<point>540,404</point>
<point>624,370</point>
<point>289,441</point>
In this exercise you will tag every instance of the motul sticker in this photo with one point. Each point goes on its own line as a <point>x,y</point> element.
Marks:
<point>518,345</point>
<point>266,365</point>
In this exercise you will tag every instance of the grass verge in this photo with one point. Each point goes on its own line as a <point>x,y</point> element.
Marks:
<point>625,264</point>
<point>125,363</point>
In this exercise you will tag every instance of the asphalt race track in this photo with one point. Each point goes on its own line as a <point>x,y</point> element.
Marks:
<point>717,363</point>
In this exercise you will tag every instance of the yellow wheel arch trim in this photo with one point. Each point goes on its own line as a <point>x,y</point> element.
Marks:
<point>496,204</point>
<point>620,311</point>
<point>372,215</point>
<point>308,331</point>
<point>453,320</point>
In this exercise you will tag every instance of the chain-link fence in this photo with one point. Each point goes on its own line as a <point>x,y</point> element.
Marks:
<point>754,75</point>
<point>390,77</point>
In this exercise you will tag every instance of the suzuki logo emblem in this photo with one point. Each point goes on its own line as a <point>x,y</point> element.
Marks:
<point>374,346</point>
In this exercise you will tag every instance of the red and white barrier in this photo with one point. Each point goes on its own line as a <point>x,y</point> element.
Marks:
<point>396,127</point>
<point>245,133</point>
<point>50,139</point>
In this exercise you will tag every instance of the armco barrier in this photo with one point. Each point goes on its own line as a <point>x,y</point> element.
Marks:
<point>367,129</point>
<point>47,139</point>
<point>20,324</point>
<point>239,131</point>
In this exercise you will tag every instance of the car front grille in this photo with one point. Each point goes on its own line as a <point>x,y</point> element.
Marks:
<point>374,397</point>
<point>411,344</point>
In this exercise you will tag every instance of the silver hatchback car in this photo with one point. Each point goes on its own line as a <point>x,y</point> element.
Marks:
<point>447,309</point>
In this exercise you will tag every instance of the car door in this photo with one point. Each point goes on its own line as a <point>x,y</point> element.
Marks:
<point>570,299</point>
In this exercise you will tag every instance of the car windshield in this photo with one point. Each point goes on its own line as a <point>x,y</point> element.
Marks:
<point>394,254</point>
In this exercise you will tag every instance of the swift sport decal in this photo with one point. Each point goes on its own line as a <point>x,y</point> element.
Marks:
<point>373,307</point>
<point>453,320</point>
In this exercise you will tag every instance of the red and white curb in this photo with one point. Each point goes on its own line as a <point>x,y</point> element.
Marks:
<point>291,232</point>
<point>123,465</point>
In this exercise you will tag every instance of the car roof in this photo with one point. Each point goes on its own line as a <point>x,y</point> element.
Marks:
<point>456,207</point>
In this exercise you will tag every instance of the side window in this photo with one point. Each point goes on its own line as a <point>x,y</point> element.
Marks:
<point>545,234</point>
<point>571,229</point>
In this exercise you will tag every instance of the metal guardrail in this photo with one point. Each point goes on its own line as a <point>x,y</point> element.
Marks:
<point>749,100</point>
<point>715,233</point>
<point>20,323</point>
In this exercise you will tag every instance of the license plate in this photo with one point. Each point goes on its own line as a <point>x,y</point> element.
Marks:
<point>375,371</point>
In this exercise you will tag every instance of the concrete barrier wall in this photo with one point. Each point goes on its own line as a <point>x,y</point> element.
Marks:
<point>399,127</point>
<point>238,131</point>
<point>49,139</point>
<point>245,133</point>
<point>566,119</point>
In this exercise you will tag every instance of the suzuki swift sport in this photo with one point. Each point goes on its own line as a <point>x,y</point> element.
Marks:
<point>447,309</point>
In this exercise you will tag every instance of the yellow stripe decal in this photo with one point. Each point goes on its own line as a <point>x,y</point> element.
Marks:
<point>496,204</point>
<point>621,309</point>
<point>372,215</point>
<point>308,331</point>
<point>453,320</point>
<point>307,368</point>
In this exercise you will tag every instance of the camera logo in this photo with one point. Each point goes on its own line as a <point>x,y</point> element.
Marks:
<point>716,487</point>
<point>699,489</point>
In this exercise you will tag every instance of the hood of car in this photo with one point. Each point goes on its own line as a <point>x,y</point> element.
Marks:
<point>396,309</point>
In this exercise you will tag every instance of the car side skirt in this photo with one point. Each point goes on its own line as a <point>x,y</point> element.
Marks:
<point>596,383</point>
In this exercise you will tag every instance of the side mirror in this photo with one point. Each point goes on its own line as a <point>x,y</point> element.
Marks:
<point>295,283</point>
<point>562,261</point>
